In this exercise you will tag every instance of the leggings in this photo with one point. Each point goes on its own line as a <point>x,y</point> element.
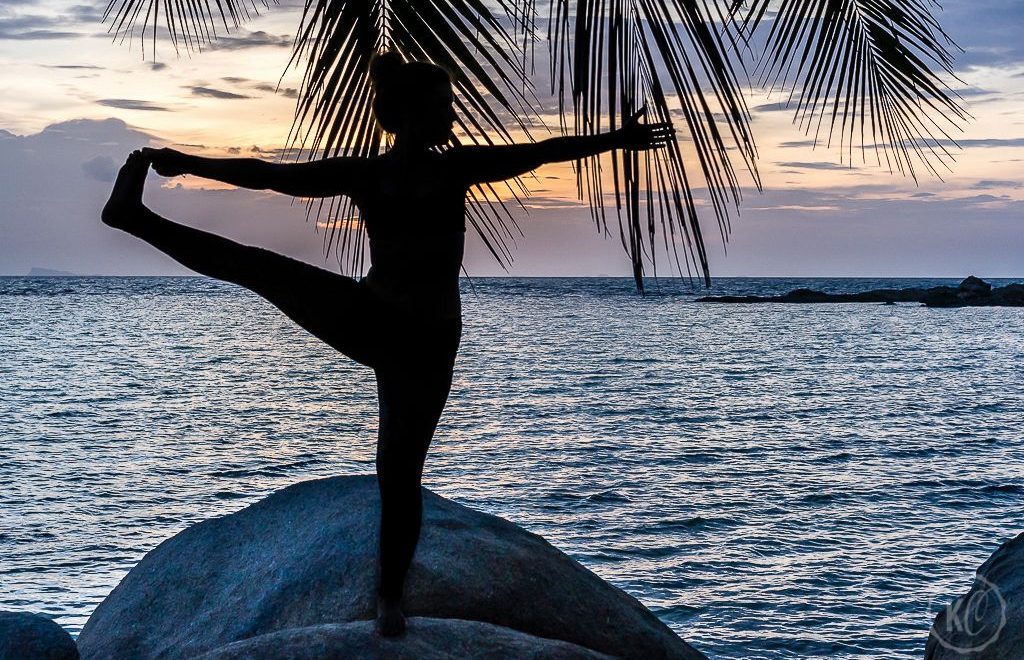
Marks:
<point>412,359</point>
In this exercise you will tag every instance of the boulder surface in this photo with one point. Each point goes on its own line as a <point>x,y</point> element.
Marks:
<point>425,639</point>
<point>25,636</point>
<point>986,623</point>
<point>306,557</point>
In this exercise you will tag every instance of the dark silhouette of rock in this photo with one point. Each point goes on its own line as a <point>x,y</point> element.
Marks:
<point>25,636</point>
<point>974,286</point>
<point>425,639</point>
<point>972,292</point>
<point>1011,295</point>
<point>986,623</point>
<point>307,556</point>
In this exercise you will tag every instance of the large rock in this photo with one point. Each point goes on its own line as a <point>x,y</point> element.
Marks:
<point>25,636</point>
<point>307,556</point>
<point>986,623</point>
<point>1011,295</point>
<point>974,287</point>
<point>426,639</point>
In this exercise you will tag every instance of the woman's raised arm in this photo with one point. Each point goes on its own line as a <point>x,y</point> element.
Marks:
<point>318,178</point>
<point>481,164</point>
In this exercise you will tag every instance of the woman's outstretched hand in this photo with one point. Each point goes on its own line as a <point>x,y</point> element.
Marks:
<point>638,137</point>
<point>167,162</point>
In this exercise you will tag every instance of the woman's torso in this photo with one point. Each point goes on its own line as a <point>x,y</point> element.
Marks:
<point>414,209</point>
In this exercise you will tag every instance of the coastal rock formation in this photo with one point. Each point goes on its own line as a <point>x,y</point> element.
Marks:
<point>24,636</point>
<point>986,623</point>
<point>306,557</point>
<point>972,292</point>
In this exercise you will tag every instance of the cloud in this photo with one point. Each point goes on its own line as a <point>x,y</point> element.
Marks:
<point>771,107</point>
<point>986,143</point>
<point>32,28</point>
<point>90,14</point>
<point>100,168</point>
<point>86,67</point>
<point>816,166</point>
<point>989,184</point>
<point>288,92</point>
<point>247,39</point>
<point>35,35</point>
<point>210,92</point>
<point>982,199</point>
<point>92,129</point>
<point>18,26</point>
<point>968,92</point>
<point>980,143</point>
<point>799,144</point>
<point>132,104</point>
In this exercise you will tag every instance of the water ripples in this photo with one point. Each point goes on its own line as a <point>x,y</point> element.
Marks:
<point>773,481</point>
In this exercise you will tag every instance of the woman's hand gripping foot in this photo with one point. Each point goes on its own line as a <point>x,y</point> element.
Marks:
<point>125,204</point>
<point>390,620</point>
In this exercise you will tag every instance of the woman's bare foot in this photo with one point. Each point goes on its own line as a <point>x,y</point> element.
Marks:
<point>125,204</point>
<point>390,620</point>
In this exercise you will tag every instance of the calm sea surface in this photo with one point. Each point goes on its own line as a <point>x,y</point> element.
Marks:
<point>773,481</point>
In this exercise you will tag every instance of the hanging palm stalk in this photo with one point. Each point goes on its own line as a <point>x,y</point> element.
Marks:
<point>871,71</point>
<point>612,57</point>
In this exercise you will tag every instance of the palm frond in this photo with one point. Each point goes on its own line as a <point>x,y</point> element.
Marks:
<point>189,24</point>
<point>612,57</point>
<point>870,73</point>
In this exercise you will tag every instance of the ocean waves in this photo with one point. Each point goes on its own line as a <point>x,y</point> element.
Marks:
<point>774,481</point>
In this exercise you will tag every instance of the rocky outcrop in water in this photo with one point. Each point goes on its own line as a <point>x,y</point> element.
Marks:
<point>25,636</point>
<point>986,623</point>
<point>295,574</point>
<point>972,292</point>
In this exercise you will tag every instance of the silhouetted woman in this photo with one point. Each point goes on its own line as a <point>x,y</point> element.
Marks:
<point>404,318</point>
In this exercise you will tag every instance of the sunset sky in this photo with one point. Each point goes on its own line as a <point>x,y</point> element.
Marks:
<point>73,104</point>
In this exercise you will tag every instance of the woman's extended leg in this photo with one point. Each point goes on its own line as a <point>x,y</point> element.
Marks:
<point>323,303</point>
<point>412,397</point>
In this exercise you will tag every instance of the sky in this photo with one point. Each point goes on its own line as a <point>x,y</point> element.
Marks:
<point>73,104</point>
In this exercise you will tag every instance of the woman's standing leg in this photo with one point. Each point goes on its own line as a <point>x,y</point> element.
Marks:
<point>412,397</point>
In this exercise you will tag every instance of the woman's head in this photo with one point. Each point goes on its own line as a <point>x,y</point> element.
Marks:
<point>413,98</point>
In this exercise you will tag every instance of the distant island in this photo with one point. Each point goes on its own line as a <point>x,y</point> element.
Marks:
<point>49,272</point>
<point>972,292</point>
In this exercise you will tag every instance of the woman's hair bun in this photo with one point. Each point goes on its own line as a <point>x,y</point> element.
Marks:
<point>399,86</point>
<point>384,66</point>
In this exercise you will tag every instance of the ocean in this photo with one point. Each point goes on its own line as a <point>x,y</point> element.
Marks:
<point>773,481</point>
